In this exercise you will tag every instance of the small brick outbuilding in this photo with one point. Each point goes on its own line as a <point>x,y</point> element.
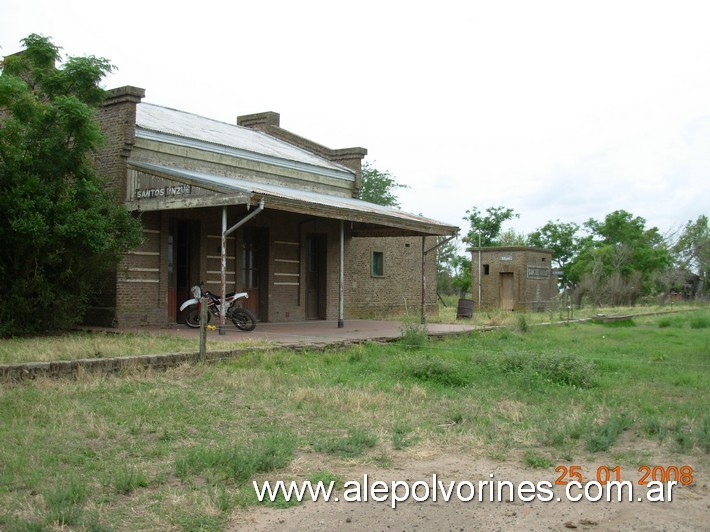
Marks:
<point>513,278</point>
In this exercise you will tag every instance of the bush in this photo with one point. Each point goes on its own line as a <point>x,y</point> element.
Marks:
<point>521,323</point>
<point>351,446</point>
<point>264,454</point>
<point>437,371</point>
<point>414,335</point>
<point>664,322</point>
<point>62,230</point>
<point>608,432</point>
<point>700,322</point>
<point>566,370</point>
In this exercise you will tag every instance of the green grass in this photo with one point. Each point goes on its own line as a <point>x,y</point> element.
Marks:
<point>178,449</point>
<point>78,345</point>
<point>354,444</point>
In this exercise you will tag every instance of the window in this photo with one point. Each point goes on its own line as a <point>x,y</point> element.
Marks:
<point>378,264</point>
<point>486,269</point>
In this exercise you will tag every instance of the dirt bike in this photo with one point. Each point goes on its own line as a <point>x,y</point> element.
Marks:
<point>242,318</point>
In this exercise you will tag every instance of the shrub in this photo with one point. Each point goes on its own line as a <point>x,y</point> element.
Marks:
<point>66,503</point>
<point>521,323</point>
<point>266,453</point>
<point>413,335</point>
<point>537,461</point>
<point>700,322</point>
<point>566,370</point>
<point>664,322</point>
<point>437,371</point>
<point>607,433</point>
<point>353,445</point>
<point>126,479</point>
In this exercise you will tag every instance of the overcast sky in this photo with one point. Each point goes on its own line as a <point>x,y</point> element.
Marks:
<point>558,109</point>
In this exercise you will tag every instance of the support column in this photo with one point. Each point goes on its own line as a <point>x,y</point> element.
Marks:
<point>423,320</point>
<point>223,271</point>
<point>341,281</point>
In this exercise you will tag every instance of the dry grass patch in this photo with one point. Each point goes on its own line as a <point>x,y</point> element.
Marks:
<point>162,449</point>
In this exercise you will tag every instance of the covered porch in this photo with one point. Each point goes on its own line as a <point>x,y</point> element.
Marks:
<point>289,248</point>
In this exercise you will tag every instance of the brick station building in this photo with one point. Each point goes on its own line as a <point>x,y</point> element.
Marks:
<point>296,239</point>
<point>513,278</point>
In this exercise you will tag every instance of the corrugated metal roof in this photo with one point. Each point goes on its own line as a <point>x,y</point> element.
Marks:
<point>340,207</point>
<point>188,126</point>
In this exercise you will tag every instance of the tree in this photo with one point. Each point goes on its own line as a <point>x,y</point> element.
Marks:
<point>378,187</point>
<point>511,237</point>
<point>617,262</point>
<point>692,250</point>
<point>61,230</point>
<point>445,270</point>
<point>458,267</point>
<point>489,226</point>
<point>562,239</point>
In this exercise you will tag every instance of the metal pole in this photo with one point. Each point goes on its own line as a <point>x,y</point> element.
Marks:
<point>341,280</point>
<point>479,271</point>
<point>423,318</point>
<point>223,269</point>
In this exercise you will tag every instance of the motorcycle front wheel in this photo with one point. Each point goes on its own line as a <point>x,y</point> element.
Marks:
<point>192,319</point>
<point>243,319</point>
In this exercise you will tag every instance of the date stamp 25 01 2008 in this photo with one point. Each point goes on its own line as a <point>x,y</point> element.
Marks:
<point>682,475</point>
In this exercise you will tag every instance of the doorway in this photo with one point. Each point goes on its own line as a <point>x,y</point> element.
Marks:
<point>254,258</point>
<point>315,276</point>
<point>183,264</point>
<point>507,291</point>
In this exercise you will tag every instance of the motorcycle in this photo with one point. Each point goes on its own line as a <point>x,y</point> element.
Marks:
<point>242,318</point>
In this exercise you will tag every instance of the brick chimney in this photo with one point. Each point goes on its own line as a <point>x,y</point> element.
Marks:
<point>117,118</point>
<point>269,122</point>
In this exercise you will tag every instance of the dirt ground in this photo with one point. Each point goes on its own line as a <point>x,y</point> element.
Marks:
<point>688,510</point>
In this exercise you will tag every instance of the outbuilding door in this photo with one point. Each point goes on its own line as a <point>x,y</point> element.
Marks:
<point>507,291</point>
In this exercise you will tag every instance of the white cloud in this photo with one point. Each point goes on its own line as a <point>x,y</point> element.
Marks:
<point>557,109</point>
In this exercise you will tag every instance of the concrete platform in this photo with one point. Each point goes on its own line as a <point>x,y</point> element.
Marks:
<point>297,334</point>
<point>301,335</point>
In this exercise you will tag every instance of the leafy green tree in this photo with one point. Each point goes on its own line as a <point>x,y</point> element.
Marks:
<point>692,249</point>
<point>378,187</point>
<point>618,260</point>
<point>445,272</point>
<point>511,237</point>
<point>562,239</point>
<point>463,277</point>
<point>61,230</point>
<point>489,225</point>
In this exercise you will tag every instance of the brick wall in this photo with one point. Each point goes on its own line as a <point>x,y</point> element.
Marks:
<point>399,288</point>
<point>117,119</point>
<point>533,285</point>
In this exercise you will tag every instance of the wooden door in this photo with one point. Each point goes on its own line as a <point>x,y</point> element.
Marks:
<point>315,277</point>
<point>507,291</point>
<point>254,258</point>
<point>183,264</point>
